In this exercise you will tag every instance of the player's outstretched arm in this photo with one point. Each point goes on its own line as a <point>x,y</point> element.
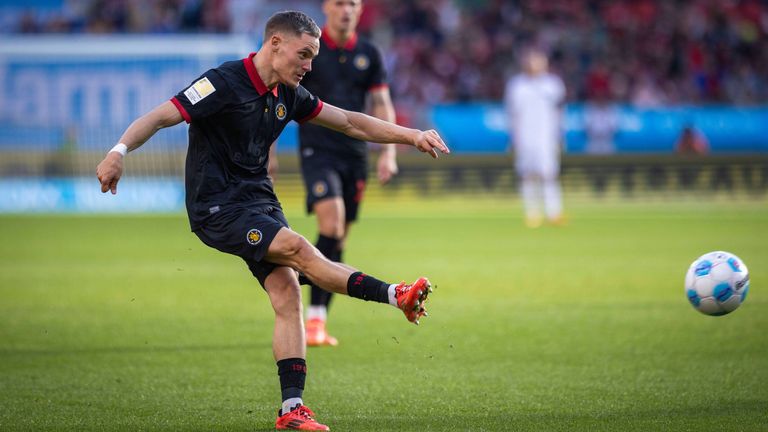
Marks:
<point>367,128</point>
<point>110,169</point>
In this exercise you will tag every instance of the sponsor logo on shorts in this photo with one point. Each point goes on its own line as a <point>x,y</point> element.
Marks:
<point>281,111</point>
<point>254,237</point>
<point>319,188</point>
<point>362,61</point>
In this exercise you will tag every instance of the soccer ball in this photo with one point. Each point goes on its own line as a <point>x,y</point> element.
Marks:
<point>717,283</point>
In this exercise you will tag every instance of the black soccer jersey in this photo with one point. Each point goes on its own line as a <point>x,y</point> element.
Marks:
<point>233,119</point>
<point>341,76</point>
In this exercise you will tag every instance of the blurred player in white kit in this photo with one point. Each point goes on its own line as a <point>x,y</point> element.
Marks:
<point>533,100</point>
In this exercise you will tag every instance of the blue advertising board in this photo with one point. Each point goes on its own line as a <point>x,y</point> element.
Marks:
<point>87,89</point>
<point>44,195</point>
<point>482,128</point>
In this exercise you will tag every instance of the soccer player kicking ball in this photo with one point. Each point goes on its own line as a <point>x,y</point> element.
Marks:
<point>235,112</point>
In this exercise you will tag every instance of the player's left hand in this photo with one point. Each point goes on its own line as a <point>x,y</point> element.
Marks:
<point>429,142</point>
<point>387,166</point>
<point>109,172</point>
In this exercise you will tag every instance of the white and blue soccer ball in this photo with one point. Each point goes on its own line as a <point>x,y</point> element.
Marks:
<point>717,283</point>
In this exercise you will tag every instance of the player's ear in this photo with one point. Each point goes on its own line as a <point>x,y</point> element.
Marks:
<point>274,41</point>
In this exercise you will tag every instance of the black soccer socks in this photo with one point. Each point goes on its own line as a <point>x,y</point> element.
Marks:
<point>293,373</point>
<point>368,288</point>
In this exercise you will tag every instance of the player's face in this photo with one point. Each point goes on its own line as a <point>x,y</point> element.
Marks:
<point>294,58</point>
<point>342,15</point>
<point>536,63</point>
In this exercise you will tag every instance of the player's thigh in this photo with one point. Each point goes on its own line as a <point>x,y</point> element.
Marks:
<point>537,165</point>
<point>549,167</point>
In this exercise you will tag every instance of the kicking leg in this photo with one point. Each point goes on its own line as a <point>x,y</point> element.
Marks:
<point>291,249</point>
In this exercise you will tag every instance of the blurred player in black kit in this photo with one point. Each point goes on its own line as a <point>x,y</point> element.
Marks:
<point>347,73</point>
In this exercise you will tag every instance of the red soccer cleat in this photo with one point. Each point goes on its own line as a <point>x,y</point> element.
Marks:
<point>411,298</point>
<point>302,418</point>
<point>317,335</point>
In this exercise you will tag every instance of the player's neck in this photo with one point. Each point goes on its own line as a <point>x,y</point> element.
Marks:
<point>340,38</point>
<point>263,65</point>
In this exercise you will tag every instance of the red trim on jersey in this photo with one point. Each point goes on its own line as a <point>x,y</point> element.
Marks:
<point>181,109</point>
<point>253,74</point>
<point>378,86</point>
<point>313,114</point>
<point>349,45</point>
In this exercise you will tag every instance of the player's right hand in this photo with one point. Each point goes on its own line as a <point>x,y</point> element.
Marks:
<point>109,171</point>
<point>429,142</point>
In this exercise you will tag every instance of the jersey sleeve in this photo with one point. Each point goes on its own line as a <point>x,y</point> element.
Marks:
<point>206,96</point>
<point>307,106</point>
<point>378,71</point>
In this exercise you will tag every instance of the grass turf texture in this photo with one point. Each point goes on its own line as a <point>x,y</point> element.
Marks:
<point>130,323</point>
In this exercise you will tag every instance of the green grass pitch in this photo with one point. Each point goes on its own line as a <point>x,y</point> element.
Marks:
<point>130,323</point>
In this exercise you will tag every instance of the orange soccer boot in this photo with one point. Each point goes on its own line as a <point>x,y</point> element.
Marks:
<point>301,418</point>
<point>317,335</point>
<point>411,298</point>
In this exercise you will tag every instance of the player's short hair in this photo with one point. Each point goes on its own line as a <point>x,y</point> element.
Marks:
<point>292,22</point>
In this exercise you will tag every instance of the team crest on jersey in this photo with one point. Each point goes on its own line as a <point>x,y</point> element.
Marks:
<point>254,237</point>
<point>319,188</point>
<point>362,61</point>
<point>281,111</point>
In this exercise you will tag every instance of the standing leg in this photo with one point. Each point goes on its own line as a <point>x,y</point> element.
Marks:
<point>288,347</point>
<point>288,339</point>
<point>285,295</point>
<point>330,220</point>
<point>553,201</point>
<point>530,192</point>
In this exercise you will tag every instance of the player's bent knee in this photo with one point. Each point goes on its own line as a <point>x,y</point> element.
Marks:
<point>293,250</point>
<point>303,252</point>
<point>287,305</point>
<point>286,247</point>
<point>285,297</point>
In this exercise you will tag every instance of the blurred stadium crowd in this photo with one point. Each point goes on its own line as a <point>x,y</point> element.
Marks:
<point>642,52</point>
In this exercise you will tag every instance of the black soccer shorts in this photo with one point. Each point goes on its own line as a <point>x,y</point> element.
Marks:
<point>246,233</point>
<point>332,177</point>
